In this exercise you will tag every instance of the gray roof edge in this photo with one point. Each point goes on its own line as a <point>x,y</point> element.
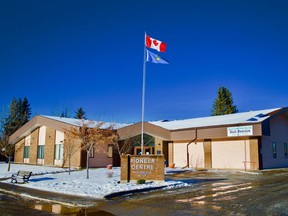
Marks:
<point>77,122</point>
<point>250,117</point>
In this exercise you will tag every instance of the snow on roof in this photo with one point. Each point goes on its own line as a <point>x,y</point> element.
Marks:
<point>236,118</point>
<point>78,122</point>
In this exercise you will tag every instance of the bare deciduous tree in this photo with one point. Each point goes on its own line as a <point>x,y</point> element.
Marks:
<point>124,147</point>
<point>127,138</point>
<point>94,136</point>
<point>6,149</point>
<point>70,145</point>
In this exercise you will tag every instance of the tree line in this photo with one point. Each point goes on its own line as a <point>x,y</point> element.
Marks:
<point>20,111</point>
<point>18,114</point>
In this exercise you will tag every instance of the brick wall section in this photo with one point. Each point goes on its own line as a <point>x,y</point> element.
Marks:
<point>158,145</point>
<point>19,151</point>
<point>100,158</point>
<point>49,146</point>
<point>124,168</point>
<point>148,167</point>
<point>34,146</point>
<point>76,156</point>
<point>207,154</point>
<point>254,156</point>
<point>170,152</point>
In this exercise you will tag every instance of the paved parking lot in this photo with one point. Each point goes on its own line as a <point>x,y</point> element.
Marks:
<point>210,193</point>
<point>217,193</point>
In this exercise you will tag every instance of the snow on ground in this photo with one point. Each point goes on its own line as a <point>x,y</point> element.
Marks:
<point>97,186</point>
<point>35,169</point>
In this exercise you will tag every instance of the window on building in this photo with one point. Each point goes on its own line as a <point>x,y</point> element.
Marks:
<point>40,152</point>
<point>59,150</point>
<point>91,153</point>
<point>274,150</point>
<point>285,150</point>
<point>110,151</point>
<point>26,151</point>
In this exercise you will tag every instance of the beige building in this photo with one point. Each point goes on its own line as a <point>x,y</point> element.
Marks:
<point>249,141</point>
<point>41,141</point>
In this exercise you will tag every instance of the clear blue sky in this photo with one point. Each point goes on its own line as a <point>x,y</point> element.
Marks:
<point>67,53</point>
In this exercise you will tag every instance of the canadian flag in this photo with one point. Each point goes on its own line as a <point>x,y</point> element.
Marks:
<point>155,44</point>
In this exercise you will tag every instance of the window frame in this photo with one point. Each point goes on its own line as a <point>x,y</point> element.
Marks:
<point>274,149</point>
<point>285,150</point>
<point>40,151</point>
<point>59,152</point>
<point>110,149</point>
<point>26,153</point>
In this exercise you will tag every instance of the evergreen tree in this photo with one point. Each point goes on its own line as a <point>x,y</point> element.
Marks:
<point>25,110</point>
<point>12,120</point>
<point>19,114</point>
<point>224,103</point>
<point>80,114</point>
<point>65,113</point>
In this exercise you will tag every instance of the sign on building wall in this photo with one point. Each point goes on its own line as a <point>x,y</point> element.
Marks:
<point>240,131</point>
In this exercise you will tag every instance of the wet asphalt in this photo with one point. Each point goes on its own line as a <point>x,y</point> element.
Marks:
<point>209,193</point>
<point>213,193</point>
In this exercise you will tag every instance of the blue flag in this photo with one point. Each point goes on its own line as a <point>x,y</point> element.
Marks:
<point>154,58</point>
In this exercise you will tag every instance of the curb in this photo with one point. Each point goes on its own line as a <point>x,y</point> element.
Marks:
<point>123,193</point>
<point>47,196</point>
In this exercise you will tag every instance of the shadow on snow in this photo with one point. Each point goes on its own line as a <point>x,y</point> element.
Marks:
<point>41,179</point>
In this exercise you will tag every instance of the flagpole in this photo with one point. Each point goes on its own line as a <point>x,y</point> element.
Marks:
<point>143,97</point>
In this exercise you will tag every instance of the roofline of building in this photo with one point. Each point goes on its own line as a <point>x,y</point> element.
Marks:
<point>33,124</point>
<point>149,127</point>
<point>276,110</point>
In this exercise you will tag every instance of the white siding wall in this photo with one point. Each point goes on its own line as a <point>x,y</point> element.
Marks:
<point>27,143</point>
<point>59,137</point>
<point>179,150</point>
<point>279,135</point>
<point>196,155</point>
<point>225,155</point>
<point>41,142</point>
<point>59,140</point>
<point>230,154</point>
<point>42,135</point>
<point>27,140</point>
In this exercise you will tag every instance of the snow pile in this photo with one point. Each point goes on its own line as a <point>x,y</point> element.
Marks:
<point>178,170</point>
<point>101,181</point>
